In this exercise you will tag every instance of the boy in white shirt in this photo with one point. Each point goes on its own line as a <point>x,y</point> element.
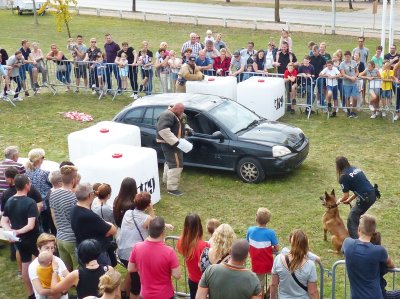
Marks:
<point>331,74</point>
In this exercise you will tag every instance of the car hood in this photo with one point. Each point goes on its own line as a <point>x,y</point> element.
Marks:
<point>275,133</point>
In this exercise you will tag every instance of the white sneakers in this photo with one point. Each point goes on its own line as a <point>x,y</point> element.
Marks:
<point>396,117</point>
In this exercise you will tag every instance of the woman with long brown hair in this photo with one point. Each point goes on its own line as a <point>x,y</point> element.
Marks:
<point>191,245</point>
<point>124,200</point>
<point>294,273</point>
<point>353,179</point>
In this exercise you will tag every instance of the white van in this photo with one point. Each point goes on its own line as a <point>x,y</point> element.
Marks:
<point>26,6</point>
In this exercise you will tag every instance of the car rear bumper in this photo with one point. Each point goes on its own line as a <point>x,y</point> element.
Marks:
<point>285,164</point>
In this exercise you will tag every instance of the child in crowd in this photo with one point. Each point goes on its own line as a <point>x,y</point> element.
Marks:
<point>4,74</point>
<point>209,36</point>
<point>371,73</point>
<point>44,271</point>
<point>387,76</point>
<point>286,38</point>
<point>290,77</point>
<point>71,45</point>
<point>249,72</point>
<point>100,66</point>
<point>175,64</point>
<point>263,242</point>
<point>310,46</point>
<point>212,225</point>
<point>146,64</point>
<point>123,71</point>
<point>331,74</point>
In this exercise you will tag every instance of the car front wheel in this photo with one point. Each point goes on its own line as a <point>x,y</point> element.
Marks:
<point>250,170</point>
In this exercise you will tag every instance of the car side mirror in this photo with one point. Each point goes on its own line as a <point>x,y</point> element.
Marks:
<point>218,135</point>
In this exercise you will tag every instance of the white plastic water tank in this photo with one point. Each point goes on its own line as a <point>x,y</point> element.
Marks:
<point>112,164</point>
<point>95,138</point>
<point>219,86</point>
<point>264,95</point>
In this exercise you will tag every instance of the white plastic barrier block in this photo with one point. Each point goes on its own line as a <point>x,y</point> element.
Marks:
<point>264,95</point>
<point>219,86</point>
<point>114,163</point>
<point>95,138</point>
<point>46,165</point>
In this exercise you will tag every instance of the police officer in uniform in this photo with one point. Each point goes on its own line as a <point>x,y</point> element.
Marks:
<point>170,129</point>
<point>353,179</point>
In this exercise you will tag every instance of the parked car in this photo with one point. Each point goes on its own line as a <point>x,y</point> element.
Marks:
<point>26,6</point>
<point>227,136</point>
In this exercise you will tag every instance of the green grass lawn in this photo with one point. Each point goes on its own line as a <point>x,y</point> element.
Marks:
<point>293,199</point>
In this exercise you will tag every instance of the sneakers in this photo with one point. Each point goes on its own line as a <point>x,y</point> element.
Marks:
<point>354,115</point>
<point>19,274</point>
<point>18,99</point>
<point>10,92</point>
<point>27,94</point>
<point>36,85</point>
<point>372,108</point>
<point>141,87</point>
<point>396,117</point>
<point>76,90</point>
<point>333,114</point>
<point>329,107</point>
<point>383,113</point>
<point>175,192</point>
<point>373,116</point>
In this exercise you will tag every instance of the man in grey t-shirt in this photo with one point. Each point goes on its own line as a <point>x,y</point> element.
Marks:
<point>364,52</point>
<point>231,279</point>
<point>237,67</point>
<point>348,69</point>
<point>15,62</point>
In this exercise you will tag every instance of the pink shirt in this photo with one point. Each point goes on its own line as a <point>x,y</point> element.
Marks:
<point>154,260</point>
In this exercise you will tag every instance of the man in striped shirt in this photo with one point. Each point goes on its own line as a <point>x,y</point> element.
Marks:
<point>11,155</point>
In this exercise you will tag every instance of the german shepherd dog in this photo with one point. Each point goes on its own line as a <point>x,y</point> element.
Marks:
<point>332,222</point>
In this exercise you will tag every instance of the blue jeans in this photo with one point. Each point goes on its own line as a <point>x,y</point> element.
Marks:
<point>149,86</point>
<point>309,92</point>
<point>64,76</point>
<point>132,74</point>
<point>17,80</point>
<point>320,87</point>
<point>112,68</point>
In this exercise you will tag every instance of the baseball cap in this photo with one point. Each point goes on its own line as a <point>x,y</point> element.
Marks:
<point>192,58</point>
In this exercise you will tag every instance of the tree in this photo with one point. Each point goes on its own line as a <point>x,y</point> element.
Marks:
<point>227,1</point>
<point>35,13</point>
<point>350,4</point>
<point>277,17</point>
<point>60,10</point>
<point>133,5</point>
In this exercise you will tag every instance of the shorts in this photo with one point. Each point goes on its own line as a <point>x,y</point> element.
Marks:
<point>135,279</point>
<point>2,71</point>
<point>386,94</point>
<point>174,76</point>
<point>350,91</point>
<point>27,248</point>
<point>334,90</point>
<point>80,71</point>
<point>145,73</point>
<point>377,91</point>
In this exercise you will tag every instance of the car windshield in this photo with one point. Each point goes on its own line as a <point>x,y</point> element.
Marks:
<point>234,116</point>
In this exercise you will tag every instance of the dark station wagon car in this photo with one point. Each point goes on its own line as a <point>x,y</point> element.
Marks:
<point>227,136</point>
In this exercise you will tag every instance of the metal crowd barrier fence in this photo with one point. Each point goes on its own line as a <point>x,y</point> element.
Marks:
<point>172,240</point>
<point>393,272</point>
<point>363,101</point>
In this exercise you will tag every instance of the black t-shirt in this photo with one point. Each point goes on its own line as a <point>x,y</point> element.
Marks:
<point>389,56</point>
<point>361,66</point>
<point>284,59</point>
<point>92,54</point>
<point>25,53</point>
<point>88,225</point>
<point>130,56</point>
<point>354,179</point>
<point>18,209</point>
<point>11,191</point>
<point>318,62</point>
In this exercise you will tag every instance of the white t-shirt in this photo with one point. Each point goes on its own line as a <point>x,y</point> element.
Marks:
<point>333,72</point>
<point>33,274</point>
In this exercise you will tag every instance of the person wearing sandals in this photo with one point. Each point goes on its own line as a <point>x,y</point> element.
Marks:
<point>294,275</point>
<point>134,229</point>
<point>220,247</point>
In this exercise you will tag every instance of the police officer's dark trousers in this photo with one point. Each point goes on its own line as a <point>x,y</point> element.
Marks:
<point>364,202</point>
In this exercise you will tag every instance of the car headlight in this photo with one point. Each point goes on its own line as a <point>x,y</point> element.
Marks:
<point>279,151</point>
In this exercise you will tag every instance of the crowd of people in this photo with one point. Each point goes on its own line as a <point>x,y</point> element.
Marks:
<point>76,239</point>
<point>354,74</point>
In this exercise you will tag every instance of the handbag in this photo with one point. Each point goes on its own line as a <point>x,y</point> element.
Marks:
<point>294,275</point>
<point>137,227</point>
<point>61,68</point>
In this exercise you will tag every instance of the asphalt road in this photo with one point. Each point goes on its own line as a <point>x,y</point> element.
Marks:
<point>312,17</point>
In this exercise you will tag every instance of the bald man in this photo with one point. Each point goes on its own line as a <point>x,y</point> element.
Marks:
<point>170,129</point>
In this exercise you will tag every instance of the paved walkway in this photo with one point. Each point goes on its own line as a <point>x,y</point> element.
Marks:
<point>300,19</point>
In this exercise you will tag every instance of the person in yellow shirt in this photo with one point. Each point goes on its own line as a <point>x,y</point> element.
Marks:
<point>387,76</point>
